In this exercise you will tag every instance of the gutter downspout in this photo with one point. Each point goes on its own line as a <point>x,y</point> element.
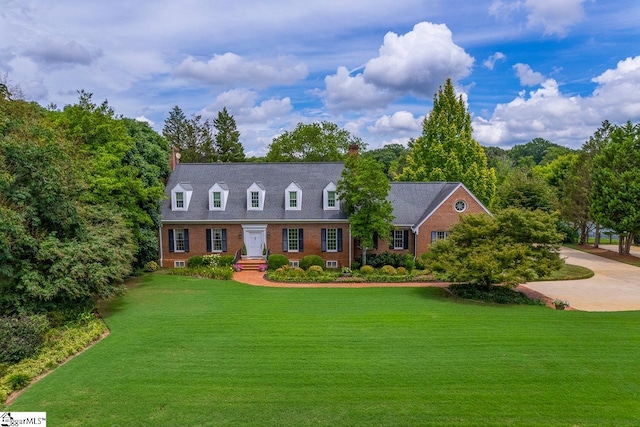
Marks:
<point>160,243</point>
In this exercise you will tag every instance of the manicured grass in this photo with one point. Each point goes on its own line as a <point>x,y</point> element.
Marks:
<point>197,352</point>
<point>570,272</point>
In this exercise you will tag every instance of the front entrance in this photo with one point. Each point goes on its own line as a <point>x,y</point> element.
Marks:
<point>255,240</point>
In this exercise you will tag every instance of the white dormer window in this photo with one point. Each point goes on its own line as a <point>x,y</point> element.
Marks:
<point>181,196</point>
<point>218,195</point>
<point>293,197</point>
<point>255,197</point>
<point>330,198</point>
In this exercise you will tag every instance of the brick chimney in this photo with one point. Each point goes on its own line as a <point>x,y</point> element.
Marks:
<point>174,159</point>
<point>353,150</point>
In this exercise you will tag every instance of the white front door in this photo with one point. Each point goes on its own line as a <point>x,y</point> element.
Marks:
<point>254,241</point>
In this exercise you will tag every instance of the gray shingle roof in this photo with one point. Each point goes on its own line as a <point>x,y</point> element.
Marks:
<point>238,177</point>
<point>411,201</point>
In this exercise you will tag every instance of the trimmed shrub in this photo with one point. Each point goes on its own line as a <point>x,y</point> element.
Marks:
<point>388,270</point>
<point>20,337</point>
<point>151,266</point>
<point>409,263</point>
<point>217,260</point>
<point>401,271</point>
<point>367,269</point>
<point>276,261</point>
<point>422,262</point>
<point>195,261</point>
<point>226,260</point>
<point>309,260</point>
<point>315,271</point>
<point>386,258</point>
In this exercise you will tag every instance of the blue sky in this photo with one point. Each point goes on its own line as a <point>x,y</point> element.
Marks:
<point>553,69</point>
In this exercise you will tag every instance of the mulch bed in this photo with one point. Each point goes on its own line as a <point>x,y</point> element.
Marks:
<point>627,259</point>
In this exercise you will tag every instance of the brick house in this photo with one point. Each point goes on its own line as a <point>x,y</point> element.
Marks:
<point>293,209</point>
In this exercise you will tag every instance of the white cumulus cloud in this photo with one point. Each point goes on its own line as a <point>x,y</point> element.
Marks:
<point>527,76</point>
<point>490,62</point>
<point>398,122</point>
<point>346,92</point>
<point>230,68</point>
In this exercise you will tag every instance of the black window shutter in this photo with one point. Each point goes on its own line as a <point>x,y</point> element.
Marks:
<point>339,239</point>
<point>224,240</point>
<point>285,240</point>
<point>323,239</point>
<point>375,240</point>
<point>186,240</point>
<point>300,240</point>
<point>171,242</point>
<point>391,242</point>
<point>209,245</point>
<point>405,242</point>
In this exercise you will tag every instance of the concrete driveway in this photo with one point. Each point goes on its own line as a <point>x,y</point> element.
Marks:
<point>614,287</point>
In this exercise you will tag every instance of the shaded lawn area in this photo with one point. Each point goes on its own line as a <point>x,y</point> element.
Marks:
<point>201,352</point>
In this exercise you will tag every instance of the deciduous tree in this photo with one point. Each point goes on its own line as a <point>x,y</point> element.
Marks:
<point>315,142</point>
<point>616,184</point>
<point>363,187</point>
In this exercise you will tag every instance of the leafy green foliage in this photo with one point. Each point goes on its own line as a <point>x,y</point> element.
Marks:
<point>539,150</point>
<point>511,248</point>
<point>367,269</point>
<point>277,260</point>
<point>523,188</point>
<point>492,293</point>
<point>388,258</point>
<point>193,137</point>
<point>20,337</point>
<point>315,142</point>
<point>364,187</point>
<point>616,184</point>
<point>446,151</point>
<point>309,260</point>
<point>389,156</point>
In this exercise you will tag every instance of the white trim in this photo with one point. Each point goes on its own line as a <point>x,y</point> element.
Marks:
<point>179,264</point>
<point>417,227</point>
<point>249,229</point>
<point>325,197</point>
<point>293,188</point>
<point>255,188</point>
<point>334,263</point>
<point>224,196</point>
<point>186,191</point>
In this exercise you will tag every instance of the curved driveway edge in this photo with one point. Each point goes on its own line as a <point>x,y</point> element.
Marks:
<point>614,287</point>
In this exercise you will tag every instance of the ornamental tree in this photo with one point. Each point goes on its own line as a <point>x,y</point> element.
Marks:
<point>363,187</point>
<point>514,246</point>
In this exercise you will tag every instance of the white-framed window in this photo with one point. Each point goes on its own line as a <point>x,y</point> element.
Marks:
<point>255,197</point>
<point>332,239</point>
<point>218,194</point>
<point>438,235</point>
<point>181,196</point>
<point>294,264</point>
<point>216,239</point>
<point>398,239</point>
<point>331,264</point>
<point>179,264</point>
<point>330,198</point>
<point>293,239</point>
<point>293,197</point>
<point>179,240</point>
<point>460,206</point>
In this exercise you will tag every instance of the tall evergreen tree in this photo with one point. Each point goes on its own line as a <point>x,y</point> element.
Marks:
<point>227,138</point>
<point>446,151</point>
<point>193,136</point>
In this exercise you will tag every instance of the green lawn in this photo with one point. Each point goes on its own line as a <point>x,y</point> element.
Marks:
<point>193,352</point>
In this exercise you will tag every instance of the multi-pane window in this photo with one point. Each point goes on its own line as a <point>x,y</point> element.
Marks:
<point>332,264</point>
<point>178,240</point>
<point>216,240</point>
<point>331,199</point>
<point>293,199</point>
<point>332,239</point>
<point>439,235</point>
<point>293,240</point>
<point>398,239</point>
<point>217,199</point>
<point>179,200</point>
<point>255,199</point>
